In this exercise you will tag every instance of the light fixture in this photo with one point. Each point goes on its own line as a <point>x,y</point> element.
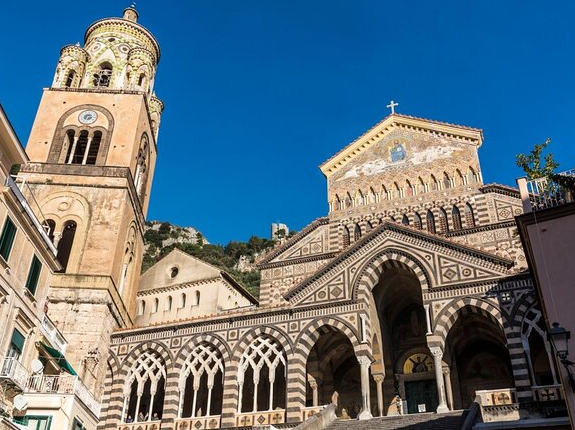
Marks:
<point>559,338</point>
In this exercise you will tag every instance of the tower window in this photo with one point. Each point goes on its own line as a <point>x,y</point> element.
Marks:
<point>49,226</point>
<point>141,80</point>
<point>70,78</point>
<point>65,244</point>
<point>79,149</point>
<point>83,149</point>
<point>103,76</point>
<point>92,153</point>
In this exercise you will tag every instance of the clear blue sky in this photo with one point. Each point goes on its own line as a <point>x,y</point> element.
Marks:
<point>258,93</point>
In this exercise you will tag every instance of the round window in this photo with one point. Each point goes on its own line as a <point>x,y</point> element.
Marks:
<point>174,272</point>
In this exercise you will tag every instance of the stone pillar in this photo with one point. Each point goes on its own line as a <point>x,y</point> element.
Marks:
<point>448,389</point>
<point>437,364</point>
<point>364,363</point>
<point>313,385</point>
<point>379,383</point>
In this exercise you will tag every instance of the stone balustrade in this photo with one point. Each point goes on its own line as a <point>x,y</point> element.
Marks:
<point>199,423</point>
<point>151,425</point>
<point>249,419</point>
<point>498,405</point>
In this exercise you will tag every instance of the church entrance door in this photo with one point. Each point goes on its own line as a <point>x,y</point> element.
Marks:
<point>421,393</point>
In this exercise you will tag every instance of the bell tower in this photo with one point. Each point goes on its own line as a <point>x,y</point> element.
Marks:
<point>92,150</point>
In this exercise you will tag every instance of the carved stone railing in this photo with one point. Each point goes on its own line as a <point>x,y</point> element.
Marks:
<point>543,193</point>
<point>310,411</point>
<point>63,384</point>
<point>323,418</point>
<point>263,418</point>
<point>547,393</point>
<point>150,425</point>
<point>498,405</point>
<point>198,423</point>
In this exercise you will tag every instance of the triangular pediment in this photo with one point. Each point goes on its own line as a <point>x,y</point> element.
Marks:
<point>443,262</point>
<point>438,130</point>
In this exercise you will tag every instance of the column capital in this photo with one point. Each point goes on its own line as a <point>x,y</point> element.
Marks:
<point>378,378</point>
<point>437,352</point>
<point>364,360</point>
<point>446,370</point>
<point>312,384</point>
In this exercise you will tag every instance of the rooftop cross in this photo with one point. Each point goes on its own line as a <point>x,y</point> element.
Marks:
<point>392,106</point>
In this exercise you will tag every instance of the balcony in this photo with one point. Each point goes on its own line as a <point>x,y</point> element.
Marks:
<point>65,385</point>
<point>544,193</point>
<point>51,332</point>
<point>23,194</point>
<point>13,373</point>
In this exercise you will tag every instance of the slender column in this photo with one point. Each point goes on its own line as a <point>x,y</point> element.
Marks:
<point>194,402</point>
<point>240,395</point>
<point>137,413</point>
<point>364,363</point>
<point>313,385</point>
<point>71,157</point>
<point>209,407</point>
<point>271,406</point>
<point>256,383</point>
<point>551,362</point>
<point>87,149</point>
<point>379,384</point>
<point>180,403</point>
<point>448,389</point>
<point>437,364</point>
<point>151,406</point>
<point>126,399</point>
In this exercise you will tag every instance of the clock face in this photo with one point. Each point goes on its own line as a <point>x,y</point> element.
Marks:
<point>88,117</point>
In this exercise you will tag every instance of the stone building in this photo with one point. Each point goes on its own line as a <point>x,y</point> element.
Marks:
<point>410,295</point>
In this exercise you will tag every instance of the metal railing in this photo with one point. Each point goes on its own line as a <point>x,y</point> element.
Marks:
<point>53,334</point>
<point>14,371</point>
<point>21,190</point>
<point>542,193</point>
<point>63,384</point>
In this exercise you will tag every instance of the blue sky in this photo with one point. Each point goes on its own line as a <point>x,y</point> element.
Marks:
<point>258,93</point>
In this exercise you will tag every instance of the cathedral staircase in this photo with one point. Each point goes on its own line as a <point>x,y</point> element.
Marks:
<point>426,421</point>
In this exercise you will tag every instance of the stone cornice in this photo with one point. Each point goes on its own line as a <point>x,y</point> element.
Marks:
<point>500,189</point>
<point>325,256</point>
<point>473,136</point>
<point>481,228</point>
<point>176,287</point>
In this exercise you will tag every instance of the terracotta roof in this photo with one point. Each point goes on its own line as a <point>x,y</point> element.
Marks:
<point>387,225</point>
<point>396,115</point>
<point>292,240</point>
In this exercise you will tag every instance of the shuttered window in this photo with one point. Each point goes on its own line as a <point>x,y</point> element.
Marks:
<point>33,274</point>
<point>7,238</point>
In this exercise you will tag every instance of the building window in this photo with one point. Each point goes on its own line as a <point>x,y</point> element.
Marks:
<point>169,303</point>
<point>357,233</point>
<point>65,244</point>
<point>430,221</point>
<point>7,238</point>
<point>33,274</point>
<point>70,79</point>
<point>16,344</point>
<point>346,237</point>
<point>456,218</point>
<point>103,76</point>
<point>197,298</point>
<point>49,227</point>
<point>78,425</point>
<point>443,226</point>
<point>183,300</point>
<point>417,221</point>
<point>141,308</point>
<point>34,422</point>
<point>91,154</point>
<point>469,218</point>
<point>155,307</point>
<point>405,220</point>
<point>173,272</point>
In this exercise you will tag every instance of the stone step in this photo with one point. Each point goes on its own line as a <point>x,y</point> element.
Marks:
<point>425,421</point>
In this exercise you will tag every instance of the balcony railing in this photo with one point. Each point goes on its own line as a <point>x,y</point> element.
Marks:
<point>543,193</point>
<point>63,384</point>
<point>199,423</point>
<point>53,334</point>
<point>13,372</point>
<point>21,190</point>
<point>151,425</point>
<point>266,418</point>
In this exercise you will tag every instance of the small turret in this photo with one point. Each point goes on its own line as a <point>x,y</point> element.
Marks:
<point>131,14</point>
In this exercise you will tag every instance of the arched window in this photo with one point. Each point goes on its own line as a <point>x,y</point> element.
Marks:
<point>430,222</point>
<point>472,177</point>
<point>103,76</point>
<point>409,190</point>
<point>69,140</point>
<point>383,195</point>
<point>460,180</point>
<point>91,155</point>
<point>49,227</point>
<point>434,183</point>
<point>359,198</point>
<point>201,383</point>
<point>127,261</point>
<point>537,349</point>
<point>141,175</point>
<point>145,389</point>
<point>405,220</point>
<point>346,239</point>
<point>155,306</point>
<point>443,225</point>
<point>348,201</point>
<point>169,303</point>
<point>141,307</point>
<point>456,218</point>
<point>183,300</point>
<point>417,221</point>
<point>197,298</point>
<point>469,217</point>
<point>70,78</point>
<point>262,376</point>
<point>371,196</point>
<point>65,243</point>
<point>338,203</point>
<point>368,226</point>
<point>356,233</point>
<point>421,186</point>
<point>141,80</point>
<point>396,191</point>
<point>446,181</point>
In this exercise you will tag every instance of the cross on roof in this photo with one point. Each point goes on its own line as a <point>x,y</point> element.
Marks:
<point>392,106</point>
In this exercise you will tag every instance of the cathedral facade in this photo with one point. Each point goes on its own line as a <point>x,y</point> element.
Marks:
<point>410,295</point>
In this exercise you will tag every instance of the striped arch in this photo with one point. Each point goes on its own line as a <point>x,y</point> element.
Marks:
<point>111,404</point>
<point>256,332</point>
<point>312,332</point>
<point>370,273</point>
<point>526,302</point>
<point>467,305</point>
<point>190,346</point>
<point>162,350</point>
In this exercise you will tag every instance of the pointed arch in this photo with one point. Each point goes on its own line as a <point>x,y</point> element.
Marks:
<point>443,224</point>
<point>383,194</point>
<point>409,189</point>
<point>359,199</point>
<point>434,184</point>
<point>456,218</point>
<point>396,191</point>
<point>103,75</point>
<point>348,200</point>
<point>346,237</point>
<point>421,186</point>
<point>356,233</point>
<point>460,178</point>
<point>417,221</point>
<point>472,176</point>
<point>405,220</point>
<point>430,221</point>
<point>371,198</point>
<point>469,216</point>
<point>446,181</point>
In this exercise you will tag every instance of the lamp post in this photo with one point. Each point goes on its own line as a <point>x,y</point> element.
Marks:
<point>559,338</point>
